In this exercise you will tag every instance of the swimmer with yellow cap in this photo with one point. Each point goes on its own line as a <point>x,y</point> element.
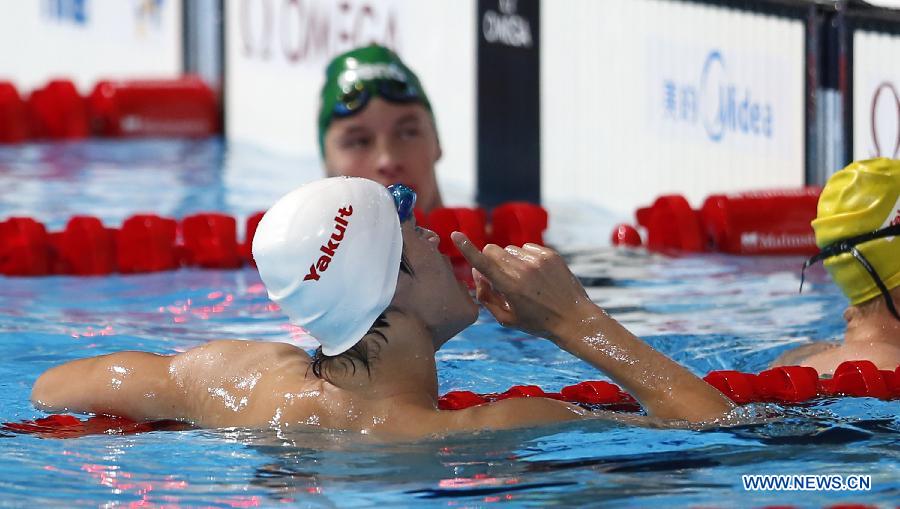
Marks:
<point>858,231</point>
<point>344,259</point>
<point>376,122</point>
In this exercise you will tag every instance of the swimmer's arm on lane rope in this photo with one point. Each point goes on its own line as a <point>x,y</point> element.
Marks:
<point>136,385</point>
<point>532,289</point>
<point>527,412</point>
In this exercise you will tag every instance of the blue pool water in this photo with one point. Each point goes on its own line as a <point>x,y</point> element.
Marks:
<point>708,312</point>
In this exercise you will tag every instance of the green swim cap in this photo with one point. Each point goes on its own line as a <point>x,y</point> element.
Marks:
<point>352,78</point>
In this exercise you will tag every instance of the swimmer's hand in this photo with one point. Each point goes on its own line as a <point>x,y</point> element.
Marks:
<point>529,288</point>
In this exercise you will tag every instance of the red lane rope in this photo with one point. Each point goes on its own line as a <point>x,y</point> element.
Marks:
<point>69,426</point>
<point>786,384</point>
<point>150,243</point>
<point>182,107</point>
<point>775,222</point>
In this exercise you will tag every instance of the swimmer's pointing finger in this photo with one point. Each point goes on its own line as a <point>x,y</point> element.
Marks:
<point>476,258</point>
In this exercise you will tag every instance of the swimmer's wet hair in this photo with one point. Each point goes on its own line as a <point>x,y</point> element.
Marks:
<point>365,350</point>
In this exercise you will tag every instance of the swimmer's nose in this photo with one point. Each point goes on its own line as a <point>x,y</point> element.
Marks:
<point>388,174</point>
<point>432,237</point>
<point>388,165</point>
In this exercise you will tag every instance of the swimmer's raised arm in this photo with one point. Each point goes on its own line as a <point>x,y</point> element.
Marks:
<point>531,288</point>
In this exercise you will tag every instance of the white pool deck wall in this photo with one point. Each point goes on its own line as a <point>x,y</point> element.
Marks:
<point>610,135</point>
<point>645,97</point>
<point>88,40</point>
<point>876,94</point>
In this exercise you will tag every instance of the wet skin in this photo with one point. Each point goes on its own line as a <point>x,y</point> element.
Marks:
<point>254,384</point>
<point>389,143</point>
<point>872,334</point>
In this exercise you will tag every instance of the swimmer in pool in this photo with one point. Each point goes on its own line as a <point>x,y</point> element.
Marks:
<point>344,259</point>
<point>376,122</point>
<point>856,227</point>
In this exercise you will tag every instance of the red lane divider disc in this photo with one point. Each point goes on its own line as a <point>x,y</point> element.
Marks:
<point>518,223</point>
<point>24,247</point>
<point>87,248</point>
<point>625,235</point>
<point>739,387</point>
<point>13,115</point>
<point>210,241</point>
<point>788,384</point>
<point>445,221</point>
<point>147,244</point>
<point>184,107</point>
<point>247,246</point>
<point>860,378</point>
<point>57,111</point>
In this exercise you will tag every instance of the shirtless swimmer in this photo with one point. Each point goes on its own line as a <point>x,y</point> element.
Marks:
<point>345,260</point>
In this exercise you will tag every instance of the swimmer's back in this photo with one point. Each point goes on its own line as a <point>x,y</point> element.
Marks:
<point>245,383</point>
<point>254,384</point>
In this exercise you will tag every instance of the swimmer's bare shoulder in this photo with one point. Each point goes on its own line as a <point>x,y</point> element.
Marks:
<point>244,383</point>
<point>825,357</point>
<point>798,356</point>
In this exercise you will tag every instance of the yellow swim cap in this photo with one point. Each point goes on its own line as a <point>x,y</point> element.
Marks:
<point>861,198</point>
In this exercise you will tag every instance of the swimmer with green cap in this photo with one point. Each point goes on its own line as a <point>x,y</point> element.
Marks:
<point>375,122</point>
<point>858,230</point>
<point>344,259</point>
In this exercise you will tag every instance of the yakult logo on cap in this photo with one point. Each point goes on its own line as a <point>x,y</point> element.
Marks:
<point>334,243</point>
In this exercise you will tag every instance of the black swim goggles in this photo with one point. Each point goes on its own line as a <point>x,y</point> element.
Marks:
<point>354,96</point>
<point>404,200</point>
<point>848,245</point>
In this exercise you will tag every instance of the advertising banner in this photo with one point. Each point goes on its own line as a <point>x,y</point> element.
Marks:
<point>876,95</point>
<point>646,97</point>
<point>89,40</point>
<point>276,52</point>
<point>509,123</point>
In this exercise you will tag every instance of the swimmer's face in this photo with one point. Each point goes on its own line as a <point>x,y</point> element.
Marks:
<point>389,143</point>
<point>432,292</point>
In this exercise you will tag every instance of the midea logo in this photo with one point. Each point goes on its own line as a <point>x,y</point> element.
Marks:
<point>719,103</point>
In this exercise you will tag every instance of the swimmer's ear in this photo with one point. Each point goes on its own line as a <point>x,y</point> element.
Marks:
<point>852,313</point>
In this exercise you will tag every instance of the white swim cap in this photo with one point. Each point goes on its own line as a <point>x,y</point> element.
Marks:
<point>329,255</point>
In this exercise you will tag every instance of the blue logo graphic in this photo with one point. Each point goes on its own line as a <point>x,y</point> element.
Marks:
<point>73,11</point>
<point>721,105</point>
